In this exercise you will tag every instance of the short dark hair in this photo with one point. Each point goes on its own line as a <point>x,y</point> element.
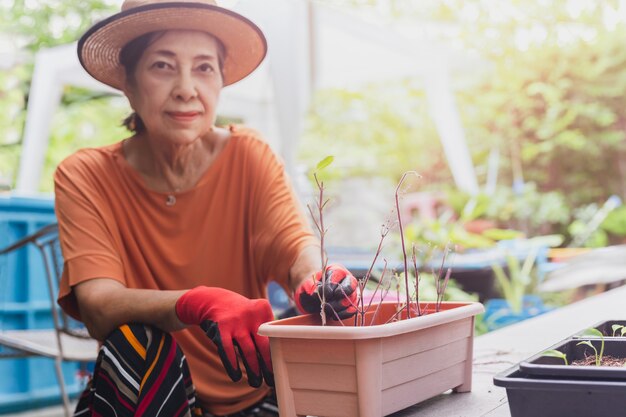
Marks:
<point>130,55</point>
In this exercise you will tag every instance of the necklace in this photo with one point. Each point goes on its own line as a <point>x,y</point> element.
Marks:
<point>170,200</point>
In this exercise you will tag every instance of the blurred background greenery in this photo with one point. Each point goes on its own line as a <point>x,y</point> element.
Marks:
<point>550,103</point>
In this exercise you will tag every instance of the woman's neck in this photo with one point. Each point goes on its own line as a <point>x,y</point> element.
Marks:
<point>168,167</point>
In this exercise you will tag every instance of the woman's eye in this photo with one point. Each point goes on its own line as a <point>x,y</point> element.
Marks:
<point>205,68</point>
<point>161,65</point>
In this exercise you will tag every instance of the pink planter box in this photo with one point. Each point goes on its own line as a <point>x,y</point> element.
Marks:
<point>349,371</point>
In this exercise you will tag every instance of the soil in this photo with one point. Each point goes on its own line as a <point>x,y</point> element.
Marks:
<point>606,361</point>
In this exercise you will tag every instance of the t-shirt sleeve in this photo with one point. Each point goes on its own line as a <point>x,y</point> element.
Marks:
<point>280,229</point>
<point>85,229</point>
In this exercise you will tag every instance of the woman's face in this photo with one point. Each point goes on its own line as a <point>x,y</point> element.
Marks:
<point>176,86</point>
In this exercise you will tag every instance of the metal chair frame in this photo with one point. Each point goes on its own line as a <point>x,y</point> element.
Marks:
<point>72,343</point>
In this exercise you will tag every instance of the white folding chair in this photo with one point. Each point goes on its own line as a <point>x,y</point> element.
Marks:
<point>68,340</point>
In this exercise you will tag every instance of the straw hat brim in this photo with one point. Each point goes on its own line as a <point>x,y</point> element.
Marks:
<point>99,48</point>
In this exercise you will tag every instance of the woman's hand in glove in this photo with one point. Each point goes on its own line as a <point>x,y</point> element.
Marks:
<point>339,289</point>
<point>231,320</point>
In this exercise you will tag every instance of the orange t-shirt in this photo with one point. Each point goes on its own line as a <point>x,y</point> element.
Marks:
<point>238,228</point>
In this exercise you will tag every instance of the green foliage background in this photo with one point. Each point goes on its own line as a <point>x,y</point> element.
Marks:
<point>551,102</point>
<point>379,130</point>
<point>83,119</point>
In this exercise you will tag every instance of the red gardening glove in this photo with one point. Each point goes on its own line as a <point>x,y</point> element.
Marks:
<point>231,320</point>
<point>339,291</point>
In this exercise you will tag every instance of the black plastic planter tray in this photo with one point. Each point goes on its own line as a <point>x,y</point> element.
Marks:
<point>605,328</point>
<point>546,397</point>
<point>539,365</point>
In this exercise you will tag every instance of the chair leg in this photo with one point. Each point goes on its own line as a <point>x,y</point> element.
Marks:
<point>64,396</point>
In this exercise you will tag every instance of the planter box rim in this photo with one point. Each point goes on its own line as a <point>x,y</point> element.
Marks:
<point>578,335</point>
<point>514,378</point>
<point>298,328</point>
<point>533,369</point>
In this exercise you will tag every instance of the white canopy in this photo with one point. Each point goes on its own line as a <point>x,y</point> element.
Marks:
<point>310,46</point>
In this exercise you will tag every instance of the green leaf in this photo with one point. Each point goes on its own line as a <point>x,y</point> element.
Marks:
<point>615,222</point>
<point>588,343</point>
<point>556,354</point>
<point>507,288</point>
<point>615,328</point>
<point>528,265</point>
<point>551,241</point>
<point>593,332</point>
<point>502,234</point>
<point>324,163</point>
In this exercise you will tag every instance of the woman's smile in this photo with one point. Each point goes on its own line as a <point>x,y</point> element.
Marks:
<point>187,116</point>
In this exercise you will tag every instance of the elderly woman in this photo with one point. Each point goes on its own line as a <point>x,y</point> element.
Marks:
<point>171,235</point>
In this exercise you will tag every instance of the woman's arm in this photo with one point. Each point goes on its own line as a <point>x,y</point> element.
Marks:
<point>106,304</point>
<point>228,318</point>
<point>305,267</point>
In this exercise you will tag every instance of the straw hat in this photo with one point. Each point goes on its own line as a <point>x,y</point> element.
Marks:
<point>99,48</point>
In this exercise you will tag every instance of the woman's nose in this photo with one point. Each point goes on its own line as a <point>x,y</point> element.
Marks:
<point>185,88</point>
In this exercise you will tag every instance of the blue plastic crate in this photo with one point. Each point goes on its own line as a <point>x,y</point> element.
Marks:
<point>31,383</point>
<point>278,297</point>
<point>20,217</point>
<point>498,311</point>
<point>25,304</point>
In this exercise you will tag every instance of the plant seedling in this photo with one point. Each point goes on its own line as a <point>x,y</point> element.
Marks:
<point>319,224</point>
<point>521,276</point>
<point>619,327</point>
<point>514,286</point>
<point>588,343</point>
<point>317,215</point>
<point>595,333</point>
<point>404,253</point>
<point>556,354</point>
